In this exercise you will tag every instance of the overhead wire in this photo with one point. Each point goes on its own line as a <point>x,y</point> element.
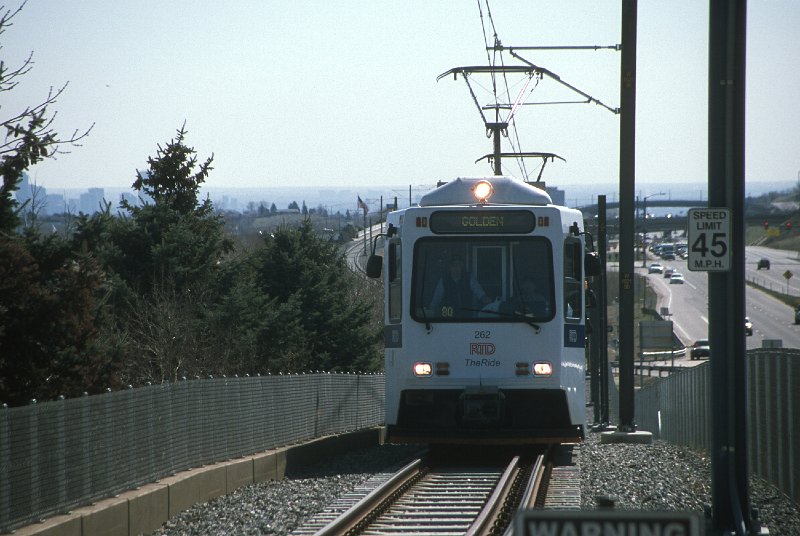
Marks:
<point>492,58</point>
<point>515,147</point>
<point>493,62</point>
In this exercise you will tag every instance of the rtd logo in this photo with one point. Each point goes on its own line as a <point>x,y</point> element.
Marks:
<point>481,348</point>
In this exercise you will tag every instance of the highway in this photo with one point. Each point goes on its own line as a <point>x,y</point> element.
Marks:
<point>771,318</point>
<point>781,261</point>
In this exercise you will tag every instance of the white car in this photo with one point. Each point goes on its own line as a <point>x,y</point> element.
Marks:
<point>676,278</point>
<point>655,268</point>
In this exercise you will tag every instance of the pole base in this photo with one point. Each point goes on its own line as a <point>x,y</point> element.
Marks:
<point>638,437</point>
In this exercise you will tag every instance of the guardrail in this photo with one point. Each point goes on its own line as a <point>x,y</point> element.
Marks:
<point>55,456</point>
<point>677,409</point>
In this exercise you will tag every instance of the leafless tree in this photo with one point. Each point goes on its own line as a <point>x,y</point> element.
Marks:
<point>29,135</point>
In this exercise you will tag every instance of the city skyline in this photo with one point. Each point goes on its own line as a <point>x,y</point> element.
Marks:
<point>344,198</point>
<point>279,93</point>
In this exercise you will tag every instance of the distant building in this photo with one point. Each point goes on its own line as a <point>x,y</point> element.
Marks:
<point>228,203</point>
<point>37,195</point>
<point>129,197</point>
<point>24,192</point>
<point>92,201</point>
<point>54,204</point>
<point>558,196</point>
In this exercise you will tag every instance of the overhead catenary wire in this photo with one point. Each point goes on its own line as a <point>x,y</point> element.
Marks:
<point>496,65</point>
<point>492,61</point>
<point>510,118</point>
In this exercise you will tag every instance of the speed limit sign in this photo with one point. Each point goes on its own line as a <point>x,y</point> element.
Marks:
<point>709,239</point>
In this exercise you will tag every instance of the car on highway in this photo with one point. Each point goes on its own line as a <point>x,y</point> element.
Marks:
<point>655,268</point>
<point>676,279</point>
<point>700,348</point>
<point>763,263</point>
<point>668,272</point>
<point>748,326</point>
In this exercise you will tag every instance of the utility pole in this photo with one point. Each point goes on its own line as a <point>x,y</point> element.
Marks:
<point>730,488</point>
<point>496,129</point>
<point>626,431</point>
<point>627,182</point>
<point>602,306</point>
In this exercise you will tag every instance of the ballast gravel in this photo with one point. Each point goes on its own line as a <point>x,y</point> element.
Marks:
<point>660,477</point>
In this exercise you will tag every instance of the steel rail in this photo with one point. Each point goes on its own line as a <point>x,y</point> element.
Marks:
<point>423,500</point>
<point>348,520</point>
<point>490,510</point>
<point>531,494</point>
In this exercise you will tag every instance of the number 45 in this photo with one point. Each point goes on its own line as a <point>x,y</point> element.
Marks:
<point>718,246</point>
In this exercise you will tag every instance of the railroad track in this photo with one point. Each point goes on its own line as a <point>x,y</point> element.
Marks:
<point>426,498</point>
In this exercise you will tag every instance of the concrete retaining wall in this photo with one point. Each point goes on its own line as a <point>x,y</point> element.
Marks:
<point>145,509</point>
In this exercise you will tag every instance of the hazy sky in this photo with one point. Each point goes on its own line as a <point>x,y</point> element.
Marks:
<point>326,93</point>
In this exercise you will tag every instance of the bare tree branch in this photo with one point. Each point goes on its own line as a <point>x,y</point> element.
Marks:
<point>29,135</point>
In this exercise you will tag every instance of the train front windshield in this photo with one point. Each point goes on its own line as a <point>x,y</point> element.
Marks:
<point>483,279</point>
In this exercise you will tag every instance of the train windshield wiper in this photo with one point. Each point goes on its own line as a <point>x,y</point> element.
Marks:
<point>516,316</point>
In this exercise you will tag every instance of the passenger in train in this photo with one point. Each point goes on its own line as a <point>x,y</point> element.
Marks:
<point>457,293</point>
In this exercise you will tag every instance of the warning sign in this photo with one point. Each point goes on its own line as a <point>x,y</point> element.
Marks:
<point>605,522</point>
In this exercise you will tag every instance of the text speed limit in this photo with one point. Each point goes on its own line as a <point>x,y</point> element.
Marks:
<point>709,239</point>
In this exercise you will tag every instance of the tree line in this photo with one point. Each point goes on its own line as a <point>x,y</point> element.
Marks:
<point>159,291</point>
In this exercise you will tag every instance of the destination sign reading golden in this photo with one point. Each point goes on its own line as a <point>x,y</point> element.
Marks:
<point>490,222</point>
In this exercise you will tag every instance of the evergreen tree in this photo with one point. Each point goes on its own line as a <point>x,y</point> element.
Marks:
<point>174,239</point>
<point>50,311</point>
<point>316,294</point>
<point>171,180</point>
<point>51,298</point>
<point>163,259</point>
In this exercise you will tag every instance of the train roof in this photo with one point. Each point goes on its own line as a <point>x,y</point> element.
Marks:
<point>506,190</point>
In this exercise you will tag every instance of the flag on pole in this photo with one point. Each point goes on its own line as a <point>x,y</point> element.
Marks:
<point>363,206</point>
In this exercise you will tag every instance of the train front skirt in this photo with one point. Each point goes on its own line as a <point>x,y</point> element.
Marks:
<point>485,415</point>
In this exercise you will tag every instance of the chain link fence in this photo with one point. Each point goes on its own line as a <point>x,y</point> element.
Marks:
<point>678,409</point>
<point>56,456</point>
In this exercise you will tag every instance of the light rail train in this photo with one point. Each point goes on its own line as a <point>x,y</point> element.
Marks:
<point>484,316</point>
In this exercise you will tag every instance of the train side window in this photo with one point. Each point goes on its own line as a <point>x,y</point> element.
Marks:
<point>395,281</point>
<point>573,289</point>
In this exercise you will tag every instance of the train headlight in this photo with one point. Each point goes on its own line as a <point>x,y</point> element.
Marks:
<point>542,369</point>
<point>422,369</point>
<point>482,191</point>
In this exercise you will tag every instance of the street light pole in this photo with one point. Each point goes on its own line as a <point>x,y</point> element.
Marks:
<point>644,227</point>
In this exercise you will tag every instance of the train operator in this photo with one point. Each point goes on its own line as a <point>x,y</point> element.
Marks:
<point>457,291</point>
